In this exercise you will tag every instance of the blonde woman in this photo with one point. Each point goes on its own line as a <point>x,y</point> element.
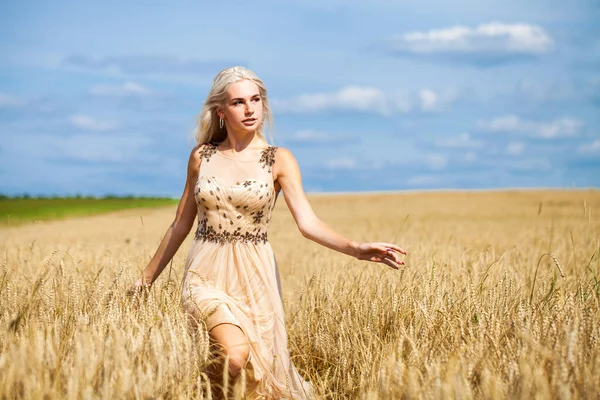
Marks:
<point>231,281</point>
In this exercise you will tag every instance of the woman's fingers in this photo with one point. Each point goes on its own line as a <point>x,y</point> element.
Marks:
<point>394,247</point>
<point>387,253</point>
<point>390,246</point>
<point>389,259</point>
<point>138,289</point>
<point>390,263</point>
<point>395,256</point>
<point>397,260</point>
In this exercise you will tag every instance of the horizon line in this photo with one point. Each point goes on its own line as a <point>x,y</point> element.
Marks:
<point>334,193</point>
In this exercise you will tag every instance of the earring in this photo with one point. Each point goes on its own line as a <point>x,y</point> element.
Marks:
<point>220,122</point>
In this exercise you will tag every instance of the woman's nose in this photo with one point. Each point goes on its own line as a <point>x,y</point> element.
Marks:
<point>249,109</point>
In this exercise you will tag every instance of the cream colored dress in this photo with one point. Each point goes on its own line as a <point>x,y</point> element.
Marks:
<point>231,275</point>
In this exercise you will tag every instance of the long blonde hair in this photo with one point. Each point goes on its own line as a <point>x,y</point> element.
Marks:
<point>207,125</point>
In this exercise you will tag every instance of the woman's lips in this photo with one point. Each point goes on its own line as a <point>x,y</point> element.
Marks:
<point>249,121</point>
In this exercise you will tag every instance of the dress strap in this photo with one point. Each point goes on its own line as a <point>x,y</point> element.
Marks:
<point>207,150</point>
<point>267,157</point>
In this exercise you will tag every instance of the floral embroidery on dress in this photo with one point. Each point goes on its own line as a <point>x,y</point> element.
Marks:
<point>207,150</point>
<point>207,233</point>
<point>258,217</point>
<point>234,213</point>
<point>267,157</point>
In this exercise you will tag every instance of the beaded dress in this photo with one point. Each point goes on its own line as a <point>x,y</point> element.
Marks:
<point>231,274</point>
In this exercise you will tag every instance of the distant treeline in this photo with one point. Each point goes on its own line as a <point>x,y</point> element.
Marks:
<point>79,196</point>
<point>25,208</point>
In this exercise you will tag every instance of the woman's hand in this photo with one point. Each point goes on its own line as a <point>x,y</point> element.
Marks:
<point>386,253</point>
<point>138,287</point>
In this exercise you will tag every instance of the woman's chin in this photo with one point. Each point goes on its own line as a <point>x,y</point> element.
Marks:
<point>248,128</point>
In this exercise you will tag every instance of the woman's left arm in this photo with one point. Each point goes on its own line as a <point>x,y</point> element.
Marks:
<point>287,173</point>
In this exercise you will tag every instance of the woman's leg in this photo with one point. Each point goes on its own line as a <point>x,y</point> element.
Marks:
<point>232,353</point>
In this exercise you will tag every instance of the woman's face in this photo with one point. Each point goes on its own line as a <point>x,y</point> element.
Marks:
<point>243,108</point>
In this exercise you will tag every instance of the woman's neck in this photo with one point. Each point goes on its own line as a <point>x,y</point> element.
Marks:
<point>237,143</point>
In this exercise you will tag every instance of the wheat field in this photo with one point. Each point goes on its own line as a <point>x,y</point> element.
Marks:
<point>481,309</point>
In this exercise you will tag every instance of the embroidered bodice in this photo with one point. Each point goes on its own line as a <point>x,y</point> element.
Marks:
<point>235,197</point>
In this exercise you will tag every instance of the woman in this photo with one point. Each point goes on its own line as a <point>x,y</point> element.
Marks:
<point>231,280</point>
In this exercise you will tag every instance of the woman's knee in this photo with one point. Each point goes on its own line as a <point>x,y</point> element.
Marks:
<point>232,343</point>
<point>238,358</point>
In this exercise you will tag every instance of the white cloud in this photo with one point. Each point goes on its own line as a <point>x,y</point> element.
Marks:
<point>354,98</point>
<point>527,165</point>
<point>125,90</point>
<point>562,127</point>
<point>88,123</point>
<point>590,148</point>
<point>436,161</point>
<point>422,180</point>
<point>462,141</point>
<point>9,101</point>
<point>565,127</point>
<point>486,38</point>
<point>341,163</point>
<point>470,157</point>
<point>506,123</point>
<point>367,99</point>
<point>429,99</point>
<point>551,92</point>
<point>82,147</point>
<point>307,135</point>
<point>515,148</point>
<point>113,149</point>
<point>148,64</point>
<point>312,136</point>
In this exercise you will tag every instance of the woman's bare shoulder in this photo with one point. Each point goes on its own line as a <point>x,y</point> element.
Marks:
<point>196,156</point>
<point>285,163</point>
<point>202,150</point>
<point>283,155</point>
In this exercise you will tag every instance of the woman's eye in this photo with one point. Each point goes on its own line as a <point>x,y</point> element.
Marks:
<point>257,99</point>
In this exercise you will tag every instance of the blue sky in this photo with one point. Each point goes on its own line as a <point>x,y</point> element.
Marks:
<point>101,98</point>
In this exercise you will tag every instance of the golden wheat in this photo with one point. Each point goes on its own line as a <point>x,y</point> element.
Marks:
<point>499,298</point>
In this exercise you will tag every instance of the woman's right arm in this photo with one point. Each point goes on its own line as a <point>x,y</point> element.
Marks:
<point>179,229</point>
